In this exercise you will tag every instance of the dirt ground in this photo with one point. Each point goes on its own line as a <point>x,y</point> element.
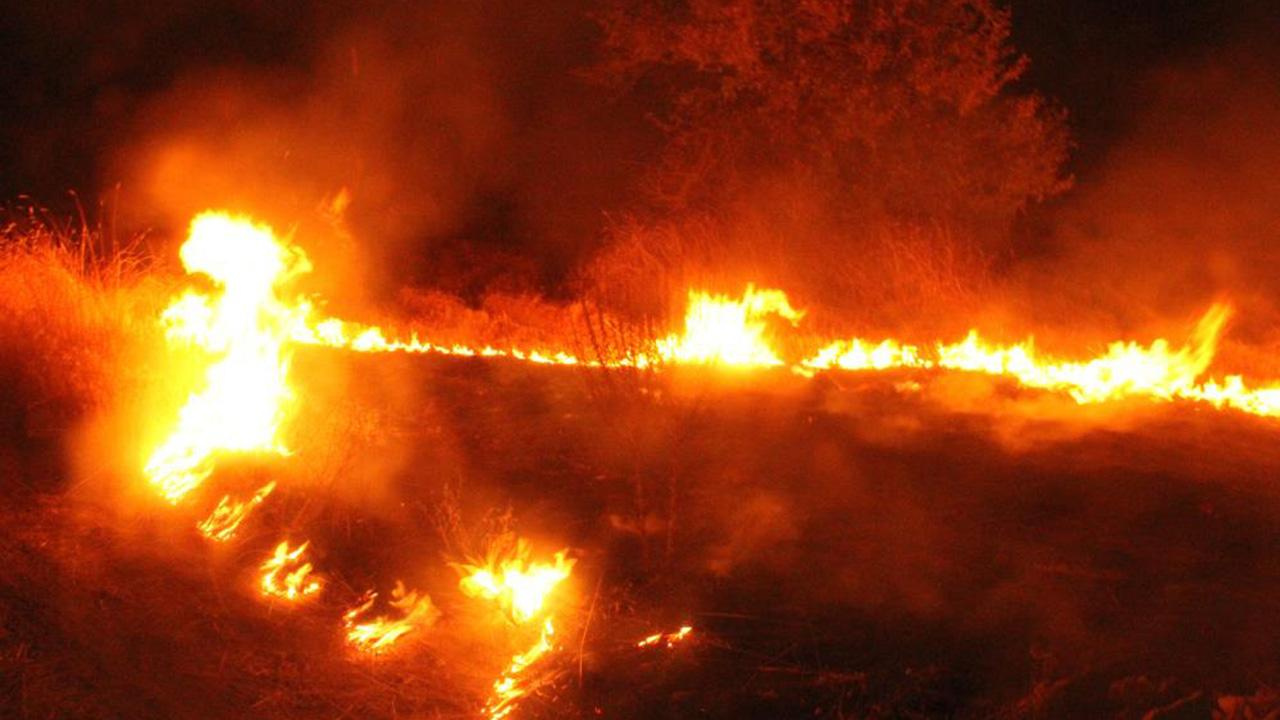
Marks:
<point>891,546</point>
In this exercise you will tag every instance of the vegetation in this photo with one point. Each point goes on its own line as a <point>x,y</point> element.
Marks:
<point>870,154</point>
<point>75,307</point>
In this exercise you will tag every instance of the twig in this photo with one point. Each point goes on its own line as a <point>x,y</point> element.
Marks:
<point>582,642</point>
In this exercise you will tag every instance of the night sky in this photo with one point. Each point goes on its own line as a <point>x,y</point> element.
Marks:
<point>74,75</point>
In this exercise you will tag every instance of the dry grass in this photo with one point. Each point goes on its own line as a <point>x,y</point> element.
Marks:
<point>836,559</point>
<point>74,304</point>
<point>883,279</point>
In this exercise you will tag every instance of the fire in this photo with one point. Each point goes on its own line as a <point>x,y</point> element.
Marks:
<point>248,331</point>
<point>335,333</point>
<point>521,589</point>
<point>669,638</point>
<point>378,634</point>
<point>857,354</point>
<point>721,330</point>
<point>1126,370</point>
<point>222,523</point>
<point>518,586</point>
<point>287,576</point>
<point>507,688</point>
<point>245,395</point>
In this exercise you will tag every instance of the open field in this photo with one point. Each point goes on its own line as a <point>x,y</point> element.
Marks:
<point>842,549</point>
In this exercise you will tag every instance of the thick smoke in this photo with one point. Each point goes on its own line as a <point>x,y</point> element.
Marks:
<point>1180,212</point>
<point>456,140</point>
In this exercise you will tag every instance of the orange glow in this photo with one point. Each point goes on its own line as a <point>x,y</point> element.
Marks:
<point>507,688</point>
<point>724,331</point>
<point>247,331</point>
<point>286,575</point>
<point>377,634</point>
<point>518,586</point>
<point>222,523</point>
<point>244,396</point>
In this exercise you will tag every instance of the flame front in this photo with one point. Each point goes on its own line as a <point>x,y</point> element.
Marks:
<point>507,688</point>
<point>286,575</point>
<point>244,398</point>
<point>245,394</point>
<point>1126,370</point>
<point>248,330</point>
<point>721,330</point>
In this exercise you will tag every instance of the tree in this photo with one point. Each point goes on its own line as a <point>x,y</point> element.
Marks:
<point>885,116</point>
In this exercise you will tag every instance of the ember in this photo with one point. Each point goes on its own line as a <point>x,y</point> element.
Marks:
<point>222,523</point>
<point>669,639</point>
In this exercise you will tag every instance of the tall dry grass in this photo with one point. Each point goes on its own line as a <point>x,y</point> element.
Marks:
<point>76,305</point>
<point>885,278</point>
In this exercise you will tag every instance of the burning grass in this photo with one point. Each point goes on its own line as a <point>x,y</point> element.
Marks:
<point>860,568</point>
<point>874,544</point>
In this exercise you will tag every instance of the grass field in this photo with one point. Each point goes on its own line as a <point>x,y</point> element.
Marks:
<point>844,547</point>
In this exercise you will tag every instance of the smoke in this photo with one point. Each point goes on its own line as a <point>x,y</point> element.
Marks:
<point>1178,213</point>
<point>448,145</point>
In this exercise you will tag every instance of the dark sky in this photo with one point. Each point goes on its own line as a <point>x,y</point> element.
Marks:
<point>74,74</point>
<point>1097,56</point>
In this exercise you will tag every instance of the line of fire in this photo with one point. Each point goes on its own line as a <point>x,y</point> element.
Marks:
<point>608,358</point>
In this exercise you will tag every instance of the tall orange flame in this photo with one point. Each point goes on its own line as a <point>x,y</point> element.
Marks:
<point>721,330</point>
<point>245,394</point>
<point>517,585</point>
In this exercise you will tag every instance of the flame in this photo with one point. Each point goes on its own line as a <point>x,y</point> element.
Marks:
<point>857,354</point>
<point>521,589</point>
<point>518,586</point>
<point>335,333</point>
<point>244,396</point>
<point>378,634</point>
<point>222,523</point>
<point>721,330</point>
<point>287,576</point>
<point>248,329</point>
<point>1126,370</point>
<point>507,688</point>
<point>670,638</point>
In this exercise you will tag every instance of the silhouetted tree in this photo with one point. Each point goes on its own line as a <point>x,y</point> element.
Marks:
<point>871,152</point>
<point>898,106</point>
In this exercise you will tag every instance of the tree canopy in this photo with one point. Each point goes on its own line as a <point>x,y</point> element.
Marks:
<point>900,109</point>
